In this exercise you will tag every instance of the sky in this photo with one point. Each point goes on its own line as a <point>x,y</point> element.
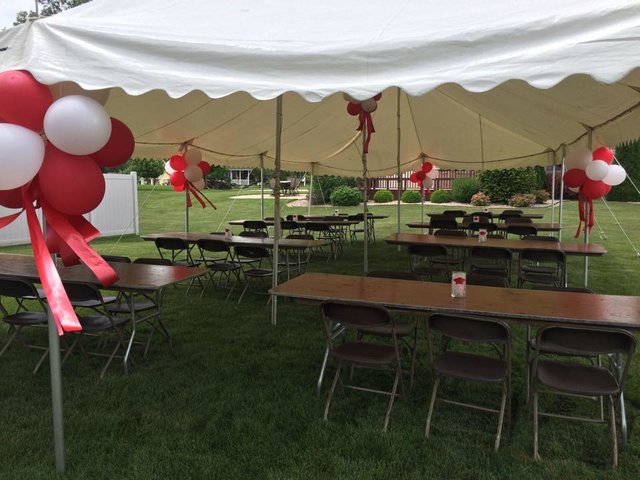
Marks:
<point>9,8</point>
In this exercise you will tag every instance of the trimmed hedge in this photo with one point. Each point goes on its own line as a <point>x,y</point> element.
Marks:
<point>324,185</point>
<point>480,199</point>
<point>503,184</point>
<point>462,189</point>
<point>345,197</point>
<point>522,200</point>
<point>628,156</point>
<point>411,196</point>
<point>441,196</point>
<point>383,196</point>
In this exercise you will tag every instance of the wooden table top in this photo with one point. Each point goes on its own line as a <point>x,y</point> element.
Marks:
<point>541,227</point>
<point>339,221</point>
<point>132,276</point>
<point>506,303</point>
<point>494,215</point>
<point>570,248</point>
<point>238,240</point>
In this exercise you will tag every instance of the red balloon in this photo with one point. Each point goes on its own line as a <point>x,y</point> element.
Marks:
<point>179,187</point>
<point>594,189</point>
<point>427,167</point>
<point>603,153</point>
<point>421,175</point>
<point>177,178</point>
<point>205,167</point>
<point>72,184</point>
<point>414,177</point>
<point>11,198</point>
<point>377,97</point>
<point>178,163</point>
<point>574,177</point>
<point>23,100</point>
<point>119,147</point>
<point>420,184</point>
<point>354,109</point>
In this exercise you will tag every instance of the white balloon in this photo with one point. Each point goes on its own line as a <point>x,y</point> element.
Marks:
<point>578,158</point>
<point>574,189</point>
<point>77,125</point>
<point>597,170</point>
<point>64,89</point>
<point>369,105</point>
<point>193,156</point>
<point>167,168</point>
<point>427,183</point>
<point>615,176</point>
<point>434,173</point>
<point>21,155</point>
<point>192,173</point>
<point>199,184</point>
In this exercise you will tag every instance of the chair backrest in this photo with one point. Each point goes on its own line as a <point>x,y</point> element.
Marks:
<point>317,227</point>
<point>254,225</point>
<point>427,250</point>
<point>250,251</point>
<point>355,316</point>
<point>443,221</point>
<point>394,275</point>
<point>542,238</point>
<point>470,329</point>
<point>300,236</point>
<point>207,245</point>
<point>488,215</point>
<point>116,259</point>
<point>13,287</point>
<point>521,230</point>
<point>82,292</point>
<point>543,256</point>
<point>491,253</point>
<point>289,225</point>
<point>154,261</point>
<point>565,289</point>
<point>482,219</point>
<point>168,243</point>
<point>253,234</point>
<point>455,213</point>
<point>488,226</point>
<point>443,232</point>
<point>516,218</point>
<point>474,278</point>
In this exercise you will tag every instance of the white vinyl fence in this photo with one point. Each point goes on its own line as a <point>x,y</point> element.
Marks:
<point>117,214</point>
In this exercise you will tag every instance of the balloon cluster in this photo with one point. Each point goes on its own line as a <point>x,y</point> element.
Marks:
<point>591,175</point>
<point>363,110</point>
<point>425,176</point>
<point>186,172</point>
<point>53,143</point>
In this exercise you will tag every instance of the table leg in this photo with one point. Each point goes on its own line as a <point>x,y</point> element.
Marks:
<point>616,368</point>
<point>132,312</point>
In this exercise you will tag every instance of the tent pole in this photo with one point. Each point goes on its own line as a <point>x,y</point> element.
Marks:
<point>276,211</point>
<point>422,201</point>
<point>364,206</point>
<point>310,191</point>
<point>553,189</point>
<point>56,392</point>
<point>398,160</point>
<point>587,213</point>
<point>560,212</point>
<point>262,186</point>
<point>186,210</point>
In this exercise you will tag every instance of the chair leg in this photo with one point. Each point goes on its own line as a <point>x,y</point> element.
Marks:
<point>10,339</point>
<point>614,435</point>
<point>414,352</point>
<point>332,391</point>
<point>501,416</point>
<point>42,359</point>
<point>243,291</point>
<point>536,455</point>
<point>393,397</point>
<point>432,404</point>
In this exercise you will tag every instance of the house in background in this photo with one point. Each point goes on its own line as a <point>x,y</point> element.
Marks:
<point>240,176</point>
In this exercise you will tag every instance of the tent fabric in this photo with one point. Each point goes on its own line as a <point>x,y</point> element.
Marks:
<point>484,84</point>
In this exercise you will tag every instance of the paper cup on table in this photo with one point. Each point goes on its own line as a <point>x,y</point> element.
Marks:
<point>476,219</point>
<point>482,235</point>
<point>227,234</point>
<point>458,284</point>
<point>295,218</point>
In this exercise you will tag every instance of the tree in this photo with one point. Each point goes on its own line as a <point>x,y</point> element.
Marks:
<point>48,8</point>
<point>144,167</point>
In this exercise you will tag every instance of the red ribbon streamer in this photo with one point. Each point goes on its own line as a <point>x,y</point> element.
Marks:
<point>588,222</point>
<point>4,221</point>
<point>200,197</point>
<point>366,122</point>
<point>61,308</point>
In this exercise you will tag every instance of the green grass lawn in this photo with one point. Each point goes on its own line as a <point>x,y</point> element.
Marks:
<point>236,398</point>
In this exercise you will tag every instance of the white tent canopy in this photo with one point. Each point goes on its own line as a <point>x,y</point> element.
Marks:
<point>485,84</point>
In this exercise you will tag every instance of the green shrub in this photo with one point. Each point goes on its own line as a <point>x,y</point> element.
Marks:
<point>541,196</point>
<point>522,200</point>
<point>503,184</point>
<point>441,196</point>
<point>345,196</point>
<point>628,156</point>
<point>480,199</point>
<point>383,196</point>
<point>462,189</point>
<point>411,196</point>
<point>324,185</point>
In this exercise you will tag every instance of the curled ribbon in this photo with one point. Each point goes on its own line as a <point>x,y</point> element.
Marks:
<point>199,196</point>
<point>366,122</point>
<point>588,222</point>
